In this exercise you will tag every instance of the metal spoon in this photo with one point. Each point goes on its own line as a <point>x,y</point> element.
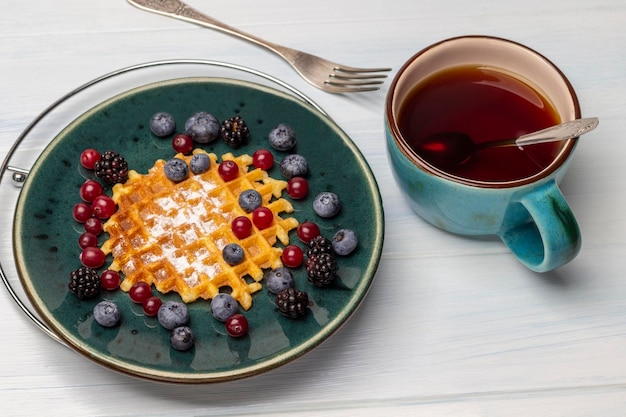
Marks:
<point>453,148</point>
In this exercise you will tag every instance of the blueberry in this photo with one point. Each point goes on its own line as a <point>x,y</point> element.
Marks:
<point>294,165</point>
<point>173,314</point>
<point>176,169</point>
<point>282,137</point>
<point>326,204</point>
<point>233,254</point>
<point>203,127</point>
<point>279,279</point>
<point>199,163</point>
<point>162,124</point>
<point>223,306</point>
<point>344,242</point>
<point>250,200</point>
<point>182,338</point>
<point>106,313</point>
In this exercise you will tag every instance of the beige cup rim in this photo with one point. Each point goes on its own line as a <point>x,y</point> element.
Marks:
<point>417,160</point>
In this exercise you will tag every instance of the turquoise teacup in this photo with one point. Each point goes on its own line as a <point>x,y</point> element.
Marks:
<point>529,213</point>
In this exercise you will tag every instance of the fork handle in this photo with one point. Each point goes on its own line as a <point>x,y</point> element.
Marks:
<point>182,11</point>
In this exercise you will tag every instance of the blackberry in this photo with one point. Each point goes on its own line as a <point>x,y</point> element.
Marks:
<point>319,244</point>
<point>234,131</point>
<point>321,269</point>
<point>111,168</point>
<point>84,283</point>
<point>292,303</point>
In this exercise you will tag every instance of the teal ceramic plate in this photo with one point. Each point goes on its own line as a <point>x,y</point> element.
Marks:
<point>46,248</point>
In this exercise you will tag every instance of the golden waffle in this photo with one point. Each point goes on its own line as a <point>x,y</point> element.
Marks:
<point>171,234</point>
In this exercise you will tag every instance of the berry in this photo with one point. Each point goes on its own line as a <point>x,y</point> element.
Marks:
<point>112,168</point>
<point>89,157</point>
<point>84,283</point>
<point>297,188</point>
<point>93,225</point>
<point>223,306</point>
<point>292,303</point>
<point>140,292</point>
<point>81,212</point>
<point>199,163</point>
<point>90,190</point>
<point>162,124</point>
<point>292,256</point>
<point>182,143</point>
<point>107,314</point>
<point>321,269</point>
<point>237,325</point>
<point>110,280</point>
<point>176,169</point>
<point>344,242</point>
<point>182,338</point>
<point>262,159</point>
<point>203,127</point>
<point>262,217</point>
<point>234,131</point>
<point>250,199</point>
<point>228,170</point>
<point>233,254</point>
<point>173,314</point>
<point>151,306</point>
<point>103,206</point>
<point>282,137</point>
<point>92,257</point>
<point>319,244</point>
<point>326,204</point>
<point>278,279</point>
<point>241,227</point>
<point>87,239</point>
<point>307,231</point>
<point>294,165</point>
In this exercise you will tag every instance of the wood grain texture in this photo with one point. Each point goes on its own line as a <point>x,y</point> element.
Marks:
<point>452,326</point>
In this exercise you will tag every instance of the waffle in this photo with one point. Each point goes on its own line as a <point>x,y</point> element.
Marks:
<point>171,235</point>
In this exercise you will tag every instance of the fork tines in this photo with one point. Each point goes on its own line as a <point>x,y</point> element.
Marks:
<point>349,79</point>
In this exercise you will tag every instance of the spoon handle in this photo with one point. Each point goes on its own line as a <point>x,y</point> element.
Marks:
<point>563,131</point>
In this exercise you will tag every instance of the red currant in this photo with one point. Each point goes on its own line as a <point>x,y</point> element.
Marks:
<point>228,170</point>
<point>103,206</point>
<point>151,306</point>
<point>307,231</point>
<point>89,157</point>
<point>140,292</point>
<point>241,227</point>
<point>81,212</point>
<point>237,325</point>
<point>262,159</point>
<point>87,239</point>
<point>262,217</point>
<point>182,143</point>
<point>110,280</point>
<point>92,257</point>
<point>292,256</point>
<point>90,190</point>
<point>93,225</point>
<point>297,188</point>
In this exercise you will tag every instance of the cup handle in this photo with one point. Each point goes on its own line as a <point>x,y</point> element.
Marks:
<point>552,238</point>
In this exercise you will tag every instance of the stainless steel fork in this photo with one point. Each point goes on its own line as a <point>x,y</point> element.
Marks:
<point>319,72</point>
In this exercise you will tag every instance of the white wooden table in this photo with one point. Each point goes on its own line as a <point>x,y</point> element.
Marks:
<point>451,326</point>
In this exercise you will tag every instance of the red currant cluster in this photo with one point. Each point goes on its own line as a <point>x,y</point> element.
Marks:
<point>94,208</point>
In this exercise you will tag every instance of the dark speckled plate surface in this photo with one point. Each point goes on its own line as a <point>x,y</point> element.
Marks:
<point>46,249</point>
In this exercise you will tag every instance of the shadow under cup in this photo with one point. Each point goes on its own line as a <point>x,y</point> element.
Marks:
<point>529,213</point>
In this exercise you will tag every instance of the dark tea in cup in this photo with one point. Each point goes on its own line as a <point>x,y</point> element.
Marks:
<point>486,104</point>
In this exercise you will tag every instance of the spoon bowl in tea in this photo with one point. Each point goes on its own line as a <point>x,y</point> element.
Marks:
<point>454,148</point>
